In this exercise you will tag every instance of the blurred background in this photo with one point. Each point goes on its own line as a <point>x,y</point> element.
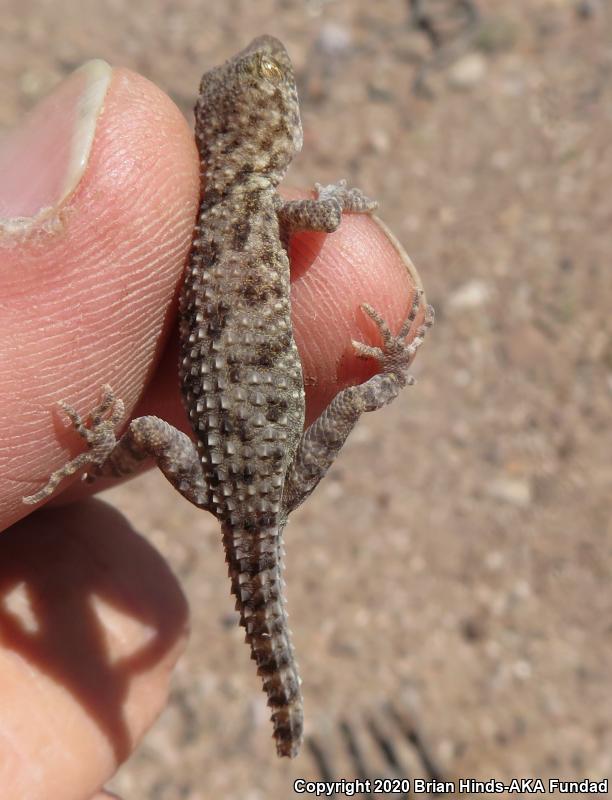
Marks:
<point>449,582</point>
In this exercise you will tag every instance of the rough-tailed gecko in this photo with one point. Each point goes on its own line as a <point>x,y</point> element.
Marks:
<point>251,463</point>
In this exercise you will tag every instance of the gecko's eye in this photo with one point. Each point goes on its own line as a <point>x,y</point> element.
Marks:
<point>270,69</point>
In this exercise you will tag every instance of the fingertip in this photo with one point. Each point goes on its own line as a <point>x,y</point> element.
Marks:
<point>334,274</point>
<point>43,159</point>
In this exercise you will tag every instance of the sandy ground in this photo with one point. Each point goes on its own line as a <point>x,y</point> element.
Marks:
<point>453,571</point>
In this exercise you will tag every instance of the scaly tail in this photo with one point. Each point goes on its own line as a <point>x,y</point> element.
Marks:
<point>255,566</point>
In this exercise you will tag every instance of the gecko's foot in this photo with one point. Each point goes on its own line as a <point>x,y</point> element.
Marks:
<point>395,356</point>
<point>351,200</point>
<point>98,430</point>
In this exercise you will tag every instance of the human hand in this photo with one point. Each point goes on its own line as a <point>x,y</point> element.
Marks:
<point>91,619</point>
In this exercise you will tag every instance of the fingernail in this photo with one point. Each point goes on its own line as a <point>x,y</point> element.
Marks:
<point>404,257</point>
<point>43,160</point>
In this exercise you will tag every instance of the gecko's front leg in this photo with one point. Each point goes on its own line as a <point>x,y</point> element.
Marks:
<point>323,213</point>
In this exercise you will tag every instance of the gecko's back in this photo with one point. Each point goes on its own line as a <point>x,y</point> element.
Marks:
<point>241,375</point>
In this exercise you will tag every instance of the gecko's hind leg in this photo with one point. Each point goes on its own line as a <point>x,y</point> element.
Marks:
<point>146,437</point>
<point>395,356</point>
<point>98,432</point>
<point>323,440</point>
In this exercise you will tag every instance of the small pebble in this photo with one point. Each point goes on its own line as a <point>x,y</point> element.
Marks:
<point>467,71</point>
<point>511,490</point>
<point>334,40</point>
<point>472,294</point>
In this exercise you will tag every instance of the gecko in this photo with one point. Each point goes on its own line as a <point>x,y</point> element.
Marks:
<point>249,461</point>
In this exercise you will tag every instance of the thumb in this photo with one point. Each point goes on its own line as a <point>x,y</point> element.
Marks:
<point>98,193</point>
<point>43,160</point>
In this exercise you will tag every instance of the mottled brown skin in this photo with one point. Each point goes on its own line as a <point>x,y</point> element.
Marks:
<point>240,371</point>
<point>241,374</point>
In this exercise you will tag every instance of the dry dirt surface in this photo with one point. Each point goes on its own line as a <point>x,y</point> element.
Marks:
<point>449,582</point>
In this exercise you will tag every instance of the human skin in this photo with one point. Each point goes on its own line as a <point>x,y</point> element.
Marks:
<point>92,620</point>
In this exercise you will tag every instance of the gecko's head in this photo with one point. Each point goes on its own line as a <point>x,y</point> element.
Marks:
<point>248,110</point>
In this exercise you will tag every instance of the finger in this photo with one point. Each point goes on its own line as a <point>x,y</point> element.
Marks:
<point>90,256</point>
<point>333,275</point>
<point>92,622</point>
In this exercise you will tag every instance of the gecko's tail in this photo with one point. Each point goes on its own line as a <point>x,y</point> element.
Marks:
<point>254,561</point>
